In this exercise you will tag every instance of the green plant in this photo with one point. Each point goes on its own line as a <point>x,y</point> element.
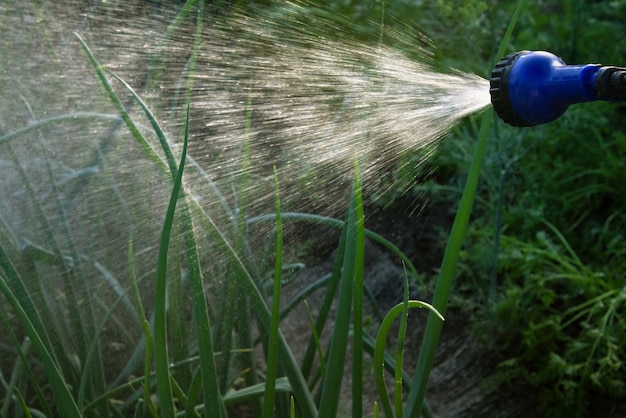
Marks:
<point>567,322</point>
<point>187,318</point>
<point>546,245</point>
<point>451,255</point>
<point>201,261</point>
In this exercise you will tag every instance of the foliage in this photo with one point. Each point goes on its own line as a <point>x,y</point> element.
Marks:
<point>192,347</point>
<point>568,321</point>
<point>546,245</point>
<point>546,248</point>
<point>544,252</point>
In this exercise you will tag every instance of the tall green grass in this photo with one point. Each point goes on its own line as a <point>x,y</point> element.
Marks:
<point>449,263</point>
<point>192,367</point>
<point>168,386</point>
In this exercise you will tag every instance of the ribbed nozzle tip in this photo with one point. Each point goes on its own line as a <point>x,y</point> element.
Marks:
<point>499,90</point>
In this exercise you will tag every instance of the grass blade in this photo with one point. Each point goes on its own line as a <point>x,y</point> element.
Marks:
<point>272,350</point>
<point>251,392</point>
<point>161,358</point>
<point>357,320</point>
<point>132,127</point>
<point>446,276</point>
<point>169,156</point>
<point>64,400</point>
<point>248,286</point>
<point>400,349</point>
<point>331,385</point>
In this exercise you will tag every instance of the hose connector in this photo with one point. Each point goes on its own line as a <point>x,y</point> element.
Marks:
<point>529,88</point>
<point>611,83</point>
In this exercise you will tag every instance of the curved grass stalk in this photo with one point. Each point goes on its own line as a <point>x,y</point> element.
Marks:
<point>389,364</point>
<point>169,156</point>
<point>379,349</point>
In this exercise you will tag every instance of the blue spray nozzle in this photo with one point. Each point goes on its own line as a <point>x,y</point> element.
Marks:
<point>529,88</point>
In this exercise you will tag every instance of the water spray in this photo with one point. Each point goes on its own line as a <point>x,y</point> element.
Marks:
<point>530,88</point>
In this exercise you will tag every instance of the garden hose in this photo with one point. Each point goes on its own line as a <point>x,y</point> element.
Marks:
<point>530,88</point>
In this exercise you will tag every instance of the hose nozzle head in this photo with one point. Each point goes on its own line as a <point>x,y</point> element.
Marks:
<point>529,88</point>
